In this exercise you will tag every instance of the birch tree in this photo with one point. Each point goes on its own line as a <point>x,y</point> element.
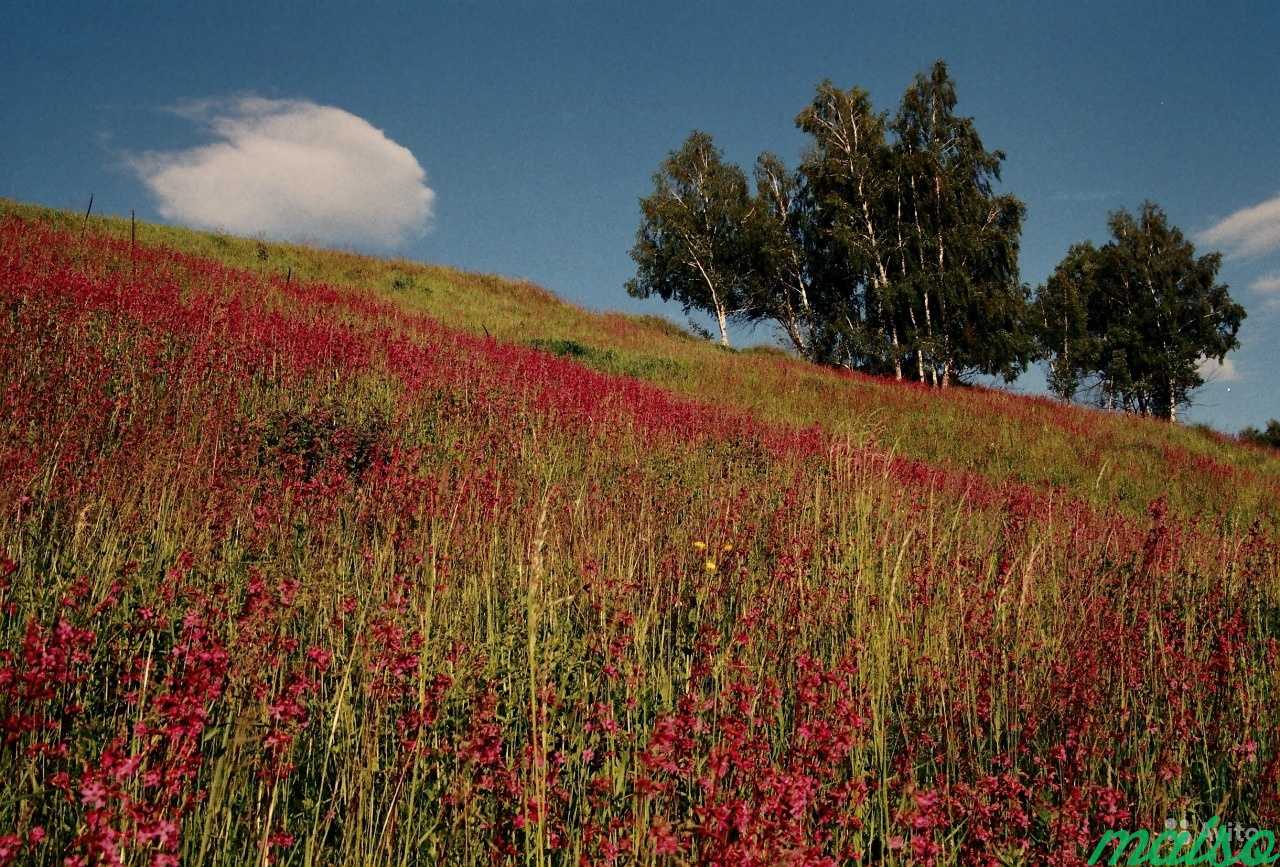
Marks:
<point>888,250</point>
<point>1060,316</point>
<point>691,246</point>
<point>1132,321</point>
<point>958,253</point>
<point>848,170</point>
<point>781,238</point>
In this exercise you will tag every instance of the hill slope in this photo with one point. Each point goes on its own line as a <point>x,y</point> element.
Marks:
<point>1107,458</point>
<point>301,565</point>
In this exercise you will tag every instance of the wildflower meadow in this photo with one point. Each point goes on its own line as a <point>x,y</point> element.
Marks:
<point>310,559</point>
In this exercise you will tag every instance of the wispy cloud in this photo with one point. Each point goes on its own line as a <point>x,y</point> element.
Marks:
<point>1082,195</point>
<point>1249,231</point>
<point>290,169</point>
<point>1219,371</point>
<point>1268,286</point>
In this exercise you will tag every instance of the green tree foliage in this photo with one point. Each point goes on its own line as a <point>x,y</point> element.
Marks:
<point>1061,316</point>
<point>959,253</point>
<point>1268,436</point>
<point>780,233</point>
<point>920,255</point>
<point>849,171</point>
<point>692,245</point>
<point>887,249</point>
<point>1130,322</point>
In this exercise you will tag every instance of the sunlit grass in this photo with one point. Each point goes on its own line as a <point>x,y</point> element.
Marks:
<point>1104,457</point>
<point>292,573</point>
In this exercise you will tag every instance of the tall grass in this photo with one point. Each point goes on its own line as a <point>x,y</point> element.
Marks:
<point>294,573</point>
<point>1110,459</point>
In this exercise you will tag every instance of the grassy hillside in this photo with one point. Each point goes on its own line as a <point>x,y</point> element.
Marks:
<point>1106,458</point>
<point>299,565</point>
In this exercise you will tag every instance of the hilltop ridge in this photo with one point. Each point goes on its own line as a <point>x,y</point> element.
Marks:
<point>315,558</point>
<point>1104,457</point>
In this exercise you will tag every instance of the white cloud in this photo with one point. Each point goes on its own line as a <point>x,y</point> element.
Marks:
<point>1268,287</point>
<point>291,169</point>
<point>1082,195</point>
<point>1249,231</point>
<point>1267,284</point>
<point>1214,371</point>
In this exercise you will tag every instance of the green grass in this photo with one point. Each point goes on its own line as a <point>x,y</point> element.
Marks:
<point>289,576</point>
<point>1102,457</point>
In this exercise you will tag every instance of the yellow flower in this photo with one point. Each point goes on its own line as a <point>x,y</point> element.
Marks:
<point>700,546</point>
<point>728,546</point>
<point>711,565</point>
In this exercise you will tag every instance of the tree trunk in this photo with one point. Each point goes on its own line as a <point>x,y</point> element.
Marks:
<point>721,314</point>
<point>902,270</point>
<point>897,357</point>
<point>928,318</point>
<point>928,330</point>
<point>793,333</point>
<point>911,311</point>
<point>1066,356</point>
<point>942,298</point>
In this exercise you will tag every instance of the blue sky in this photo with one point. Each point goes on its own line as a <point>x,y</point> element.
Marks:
<point>538,124</point>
